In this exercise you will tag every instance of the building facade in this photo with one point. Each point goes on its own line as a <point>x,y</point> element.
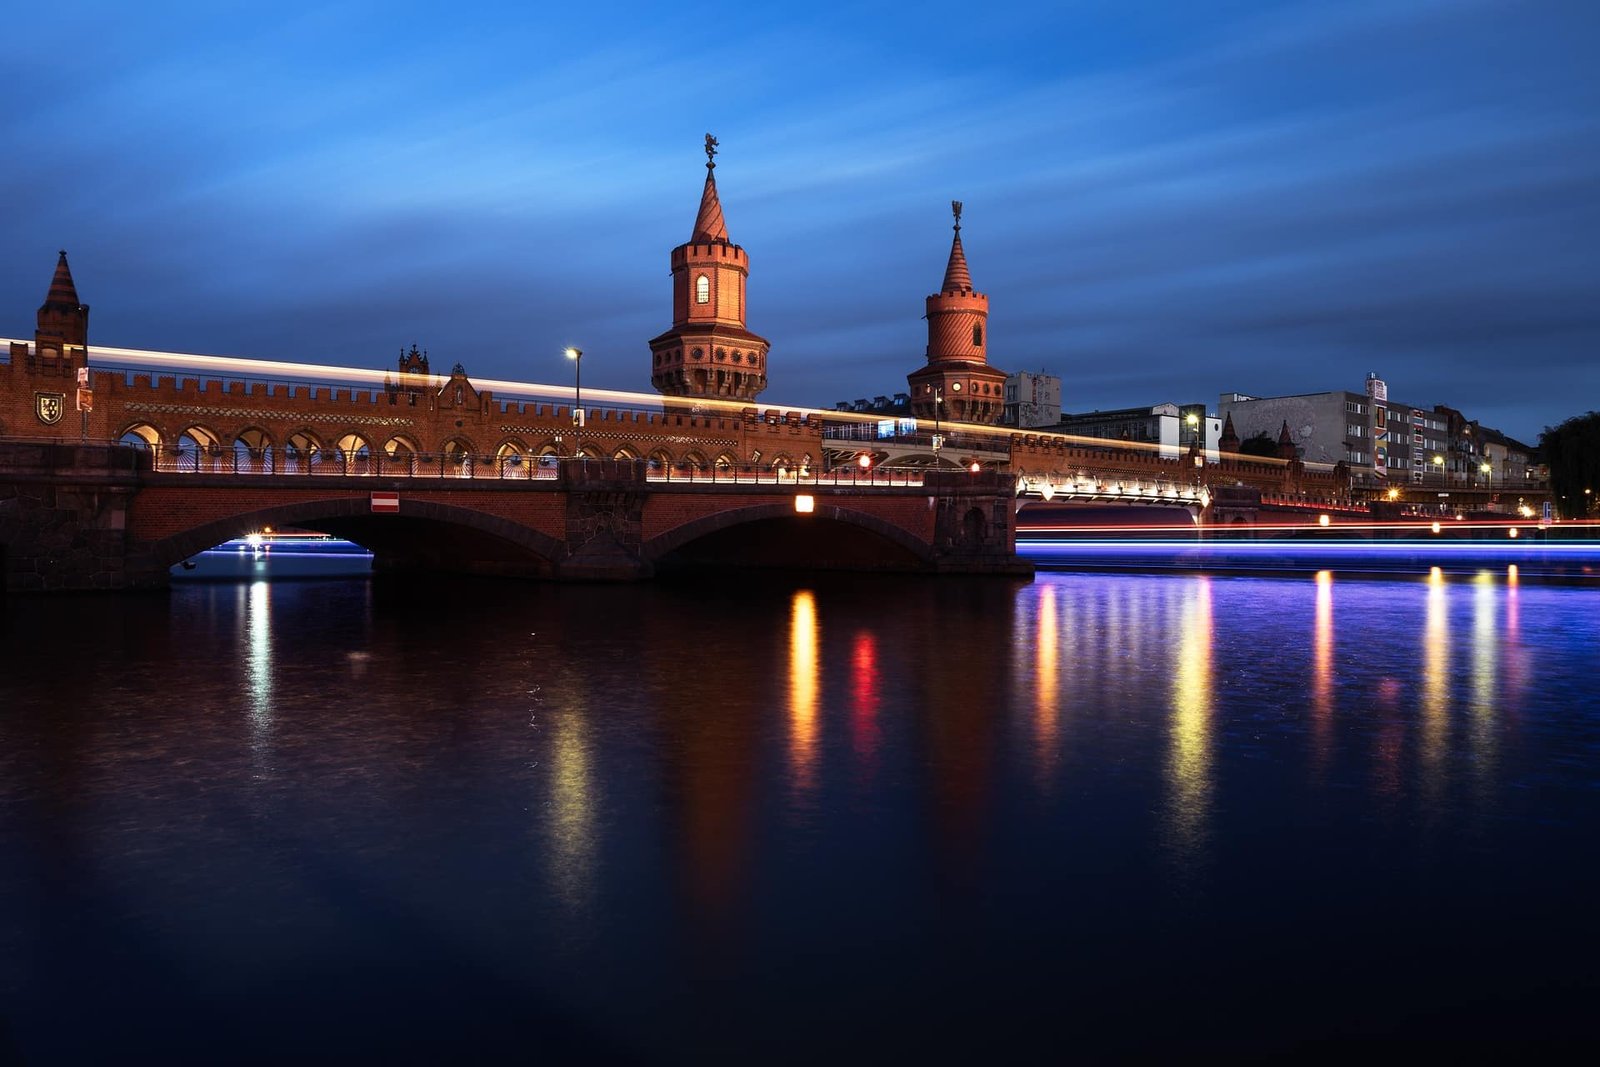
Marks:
<point>1032,400</point>
<point>1170,429</point>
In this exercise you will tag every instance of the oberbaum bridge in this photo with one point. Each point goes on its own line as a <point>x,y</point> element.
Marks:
<point>111,471</point>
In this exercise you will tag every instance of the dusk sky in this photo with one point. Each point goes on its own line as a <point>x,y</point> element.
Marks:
<point>1163,200</point>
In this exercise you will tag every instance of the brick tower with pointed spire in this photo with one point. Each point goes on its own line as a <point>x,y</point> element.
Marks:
<point>957,382</point>
<point>62,330</point>
<point>708,352</point>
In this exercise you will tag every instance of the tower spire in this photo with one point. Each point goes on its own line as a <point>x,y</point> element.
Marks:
<point>63,320</point>
<point>957,279</point>
<point>709,351</point>
<point>956,382</point>
<point>62,291</point>
<point>708,225</point>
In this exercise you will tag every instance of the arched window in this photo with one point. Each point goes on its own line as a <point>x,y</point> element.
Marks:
<point>702,290</point>
<point>977,337</point>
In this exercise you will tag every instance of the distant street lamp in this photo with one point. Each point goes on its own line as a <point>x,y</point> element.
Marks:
<point>1438,461</point>
<point>1194,428</point>
<point>576,355</point>
<point>938,436</point>
<point>1486,469</point>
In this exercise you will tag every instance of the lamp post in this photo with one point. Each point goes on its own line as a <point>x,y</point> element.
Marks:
<point>1194,429</point>
<point>1438,461</point>
<point>576,355</point>
<point>938,438</point>
<point>1486,469</point>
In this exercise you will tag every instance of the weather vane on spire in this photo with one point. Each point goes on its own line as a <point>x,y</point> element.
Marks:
<point>711,150</point>
<point>955,205</point>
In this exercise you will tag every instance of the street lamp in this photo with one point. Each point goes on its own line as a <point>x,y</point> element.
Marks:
<point>1194,428</point>
<point>576,355</point>
<point>938,437</point>
<point>1438,461</point>
<point>1486,469</point>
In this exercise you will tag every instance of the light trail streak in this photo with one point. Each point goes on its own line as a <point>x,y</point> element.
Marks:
<point>1223,536</point>
<point>113,358</point>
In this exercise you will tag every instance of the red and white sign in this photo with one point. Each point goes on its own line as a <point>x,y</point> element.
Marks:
<point>389,502</point>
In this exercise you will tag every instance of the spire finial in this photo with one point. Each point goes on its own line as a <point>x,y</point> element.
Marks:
<point>955,206</point>
<point>711,151</point>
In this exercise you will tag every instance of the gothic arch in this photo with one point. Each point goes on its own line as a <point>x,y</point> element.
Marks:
<point>140,435</point>
<point>400,445</point>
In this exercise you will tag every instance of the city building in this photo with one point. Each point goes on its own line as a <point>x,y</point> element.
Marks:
<point>957,383</point>
<point>1171,428</point>
<point>1379,440</point>
<point>1032,400</point>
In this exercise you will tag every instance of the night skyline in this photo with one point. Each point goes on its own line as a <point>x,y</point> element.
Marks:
<point>1161,205</point>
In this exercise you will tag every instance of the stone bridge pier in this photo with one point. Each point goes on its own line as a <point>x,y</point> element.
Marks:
<point>64,516</point>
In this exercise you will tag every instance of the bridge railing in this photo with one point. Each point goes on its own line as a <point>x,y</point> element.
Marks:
<point>338,463</point>
<point>753,474</point>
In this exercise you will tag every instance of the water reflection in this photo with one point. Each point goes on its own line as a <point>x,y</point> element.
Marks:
<point>1485,682</point>
<point>257,617</point>
<point>1322,673</point>
<point>1435,685</point>
<point>665,874</point>
<point>1046,689</point>
<point>866,699</point>
<point>1189,752</point>
<point>803,668</point>
<point>572,819</point>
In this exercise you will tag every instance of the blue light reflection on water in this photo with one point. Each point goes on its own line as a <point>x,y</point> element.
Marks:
<point>1534,557</point>
<point>1160,813</point>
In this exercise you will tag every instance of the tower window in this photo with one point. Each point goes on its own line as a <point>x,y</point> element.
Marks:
<point>977,337</point>
<point>702,290</point>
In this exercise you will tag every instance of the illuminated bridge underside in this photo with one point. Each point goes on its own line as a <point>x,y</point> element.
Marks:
<point>1114,491</point>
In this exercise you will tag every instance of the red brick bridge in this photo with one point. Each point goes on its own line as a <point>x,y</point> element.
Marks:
<point>99,516</point>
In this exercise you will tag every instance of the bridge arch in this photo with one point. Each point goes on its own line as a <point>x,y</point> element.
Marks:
<point>400,445</point>
<point>140,435</point>
<point>511,446</point>
<point>353,444</point>
<point>670,541</point>
<point>345,512</point>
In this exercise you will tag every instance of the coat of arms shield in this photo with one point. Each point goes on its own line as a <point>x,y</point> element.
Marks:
<point>49,406</point>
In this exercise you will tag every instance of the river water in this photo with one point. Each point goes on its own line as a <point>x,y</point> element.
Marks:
<point>780,819</point>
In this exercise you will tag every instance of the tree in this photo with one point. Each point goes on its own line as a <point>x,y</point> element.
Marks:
<point>1259,444</point>
<point>1573,452</point>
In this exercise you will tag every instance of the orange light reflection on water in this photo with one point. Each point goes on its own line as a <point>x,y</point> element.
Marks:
<point>1047,652</point>
<point>803,667</point>
<point>1322,672</point>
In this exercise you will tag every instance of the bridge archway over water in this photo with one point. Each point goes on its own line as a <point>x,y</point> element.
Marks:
<point>775,536</point>
<point>424,534</point>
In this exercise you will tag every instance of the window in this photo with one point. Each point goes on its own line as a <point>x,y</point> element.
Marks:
<point>702,290</point>
<point>977,337</point>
